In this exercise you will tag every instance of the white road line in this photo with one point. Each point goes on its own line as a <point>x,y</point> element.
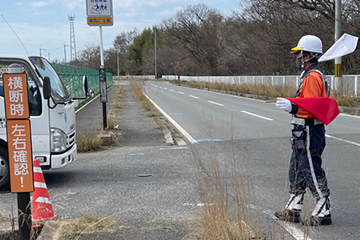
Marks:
<point>165,88</point>
<point>295,232</point>
<point>181,92</point>
<point>171,90</point>
<point>219,104</point>
<point>193,96</point>
<point>340,139</point>
<point>230,95</point>
<point>348,115</point>
<point>289,227</point>
<point>174,148</point>
<point>255,115</point>
<point>179,128</point>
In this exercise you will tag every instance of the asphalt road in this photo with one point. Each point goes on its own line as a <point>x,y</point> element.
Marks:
<point>143,183</point>
<point>256,135</point>
<point>238,132</point>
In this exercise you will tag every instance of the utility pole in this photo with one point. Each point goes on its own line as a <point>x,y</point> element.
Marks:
<point>65,52</point>
<point>49,56</point>
<point>40,50</point>
<point>338,31</point>
<point>118,58</point>
<point>155,57</point>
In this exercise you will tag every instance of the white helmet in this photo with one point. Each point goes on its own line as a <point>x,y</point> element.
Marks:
<point>15,68</point>
<point>308,43</point>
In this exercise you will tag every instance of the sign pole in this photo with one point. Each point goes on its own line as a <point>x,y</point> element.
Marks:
<point>102,81</point>
<point>19,144</point>
<point>24,213</point>
<point>100,13</point>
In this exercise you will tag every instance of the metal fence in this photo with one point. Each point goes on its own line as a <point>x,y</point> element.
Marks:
<point>134,76</point>
<point>350,82</point>
<point>72,78</point>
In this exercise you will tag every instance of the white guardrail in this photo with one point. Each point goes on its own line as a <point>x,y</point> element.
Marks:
<point>350,82</point>
<point>131,77</point>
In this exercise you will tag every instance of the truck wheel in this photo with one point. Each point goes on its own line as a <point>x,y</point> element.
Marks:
<point>4,170</point>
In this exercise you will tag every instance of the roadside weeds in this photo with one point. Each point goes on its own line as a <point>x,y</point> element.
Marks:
<point>136,88</point>
<point>94,141</point>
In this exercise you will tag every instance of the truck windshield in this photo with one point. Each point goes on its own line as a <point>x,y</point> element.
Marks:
<point>58,90</point>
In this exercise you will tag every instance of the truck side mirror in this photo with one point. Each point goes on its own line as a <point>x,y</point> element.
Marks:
<point>85,86</point>
<point>91,93</point>
<point>47,88</point>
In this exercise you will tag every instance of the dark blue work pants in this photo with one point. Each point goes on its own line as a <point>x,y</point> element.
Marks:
<point>305,166</point>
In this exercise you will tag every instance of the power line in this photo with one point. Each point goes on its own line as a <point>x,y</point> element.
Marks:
<point>15,35</point>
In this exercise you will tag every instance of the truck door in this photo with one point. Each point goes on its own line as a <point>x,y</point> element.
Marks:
<point>39,114</point>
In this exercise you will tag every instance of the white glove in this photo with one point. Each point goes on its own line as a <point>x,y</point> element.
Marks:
<point>283,103</point>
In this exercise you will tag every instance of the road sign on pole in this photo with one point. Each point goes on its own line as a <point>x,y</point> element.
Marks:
<point>19,145</point>
<point>18,132</point>
<point>103,87</point>
<point>99,12</point>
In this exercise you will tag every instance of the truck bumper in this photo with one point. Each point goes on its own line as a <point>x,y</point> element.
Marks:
<point>61,160</point>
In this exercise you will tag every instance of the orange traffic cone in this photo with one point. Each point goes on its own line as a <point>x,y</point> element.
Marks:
<point>42,209</point>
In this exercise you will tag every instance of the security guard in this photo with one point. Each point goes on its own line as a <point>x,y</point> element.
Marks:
<point>308,139</point>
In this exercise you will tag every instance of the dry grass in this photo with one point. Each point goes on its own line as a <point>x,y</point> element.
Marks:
<point>112,122</point>
<point>87,224</point>
<point>89,142</point>
<point>92,142</point>
<point>225,214</point>
<point>264,91</point>
<point>254,89</point>
<point>346,101</point>
<point>145,103</point>
<point>117,102</point>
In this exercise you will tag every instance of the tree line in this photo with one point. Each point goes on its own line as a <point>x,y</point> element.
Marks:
<point>255,39</point>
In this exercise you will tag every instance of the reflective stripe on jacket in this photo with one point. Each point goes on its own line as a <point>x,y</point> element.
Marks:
<point>312,86</point>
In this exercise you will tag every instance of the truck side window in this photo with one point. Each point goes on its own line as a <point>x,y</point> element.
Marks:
<point>1,90</point>
<point>32,89</point>
<point>34,97</point>
<point>1,84</point>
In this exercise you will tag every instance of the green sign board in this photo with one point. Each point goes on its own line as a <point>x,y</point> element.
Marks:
<point>102,71</point>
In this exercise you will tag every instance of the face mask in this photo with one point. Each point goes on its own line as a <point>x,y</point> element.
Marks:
<point>299,64</point>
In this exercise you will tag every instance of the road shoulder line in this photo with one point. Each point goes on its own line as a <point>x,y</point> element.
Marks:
<point>176,125</point>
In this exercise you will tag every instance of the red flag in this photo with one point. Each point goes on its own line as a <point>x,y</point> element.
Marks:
<point>324,108</point>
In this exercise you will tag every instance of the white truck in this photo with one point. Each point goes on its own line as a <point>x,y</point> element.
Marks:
<point>52,115</point>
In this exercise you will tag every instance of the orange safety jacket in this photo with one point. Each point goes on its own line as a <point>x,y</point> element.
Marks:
<point>312,86</point>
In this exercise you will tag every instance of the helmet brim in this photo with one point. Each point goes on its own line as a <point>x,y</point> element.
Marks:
<point>296,50</point>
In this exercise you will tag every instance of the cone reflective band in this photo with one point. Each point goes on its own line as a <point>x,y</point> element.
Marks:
<point>42,208</point>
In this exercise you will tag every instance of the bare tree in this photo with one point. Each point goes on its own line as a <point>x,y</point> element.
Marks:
<point>90,57</point>
<point>123,41</point>
<point>197,30</point>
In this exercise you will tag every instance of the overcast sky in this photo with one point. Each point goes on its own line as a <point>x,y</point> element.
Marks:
<point>45,24</point>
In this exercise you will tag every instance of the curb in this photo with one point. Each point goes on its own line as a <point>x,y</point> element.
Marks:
<point>350,110</point>
<point>51,230</point>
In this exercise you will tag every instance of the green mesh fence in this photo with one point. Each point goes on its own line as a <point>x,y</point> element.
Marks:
<point>72,78</point>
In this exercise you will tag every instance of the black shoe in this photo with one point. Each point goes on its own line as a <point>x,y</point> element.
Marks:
<point>288,216</point>
<point>317,221</point>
